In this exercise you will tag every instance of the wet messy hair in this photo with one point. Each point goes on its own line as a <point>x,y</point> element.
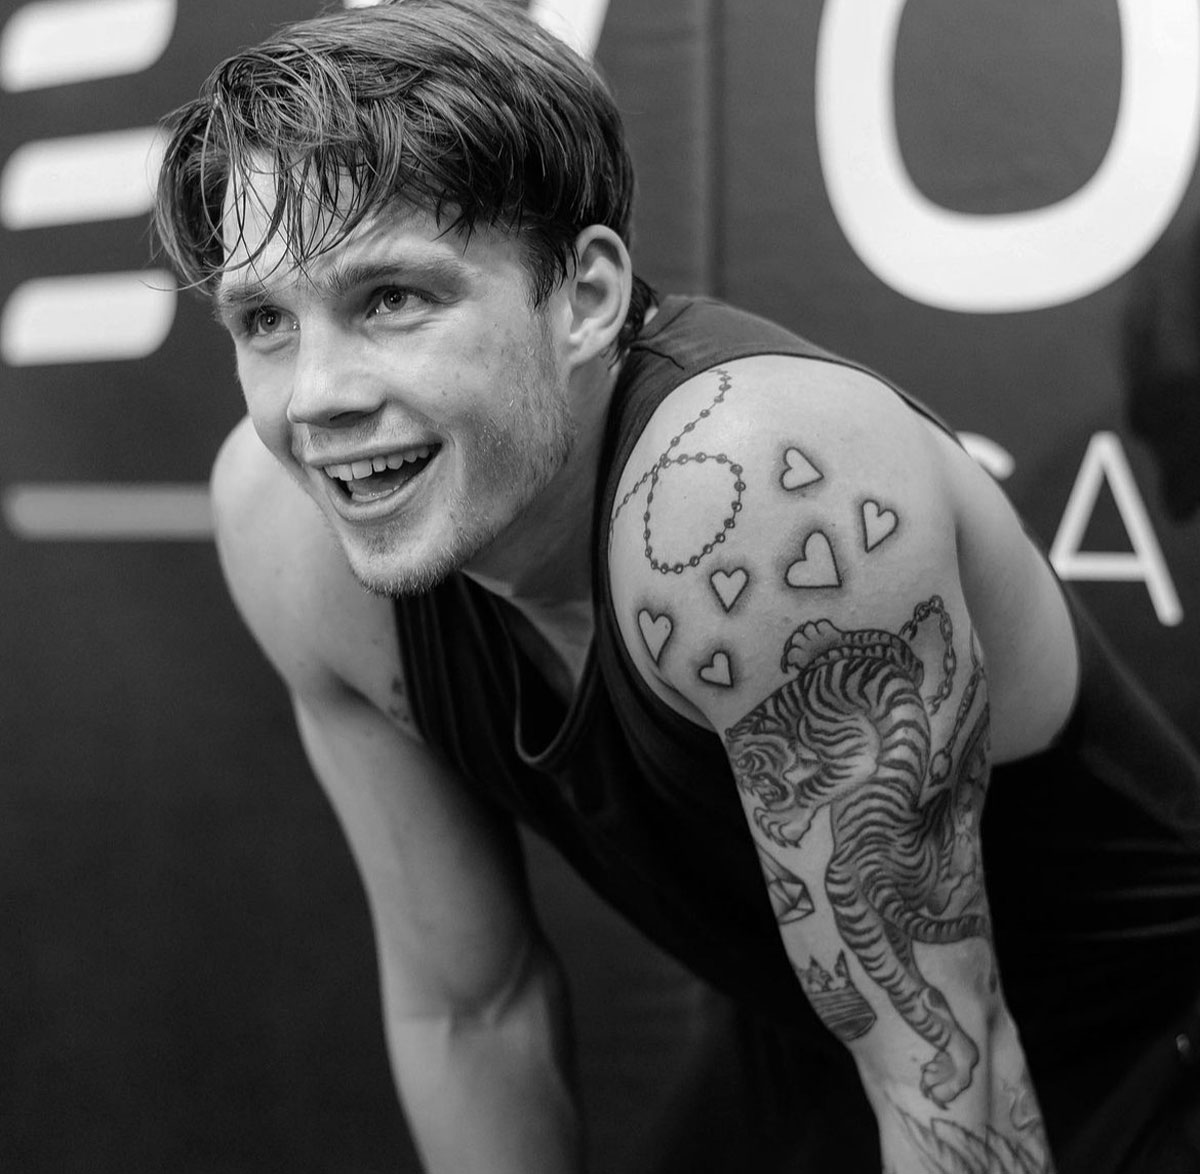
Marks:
<point>464,108</point>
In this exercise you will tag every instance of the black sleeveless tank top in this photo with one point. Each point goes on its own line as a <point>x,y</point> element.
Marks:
<point>1092,848</point>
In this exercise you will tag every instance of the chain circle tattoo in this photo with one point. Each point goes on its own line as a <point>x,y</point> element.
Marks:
<point>652,476</point>
<point>727,523</point>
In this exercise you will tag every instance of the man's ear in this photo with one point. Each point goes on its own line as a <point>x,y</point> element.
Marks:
<point>598,291</point>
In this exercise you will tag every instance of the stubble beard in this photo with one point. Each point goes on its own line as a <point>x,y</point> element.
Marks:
<point>517,451</point>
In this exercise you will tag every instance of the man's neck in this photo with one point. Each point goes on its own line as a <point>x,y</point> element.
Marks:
<point>542,563</point>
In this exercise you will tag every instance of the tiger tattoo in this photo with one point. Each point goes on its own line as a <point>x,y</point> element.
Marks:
<point>850,731</point>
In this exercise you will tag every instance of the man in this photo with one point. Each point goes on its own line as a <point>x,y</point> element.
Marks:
<point>732,622</point>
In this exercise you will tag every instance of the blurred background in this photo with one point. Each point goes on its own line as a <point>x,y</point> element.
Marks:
<point>996,205</point>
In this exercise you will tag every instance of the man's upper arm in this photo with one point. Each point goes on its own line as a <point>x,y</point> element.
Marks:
<point>441,873</point>
<point>785,565</point>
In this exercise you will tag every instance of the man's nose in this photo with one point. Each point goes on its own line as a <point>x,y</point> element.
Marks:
<point>331,386</point>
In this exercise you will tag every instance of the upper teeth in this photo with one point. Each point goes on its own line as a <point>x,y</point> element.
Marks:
<point>358,469</point>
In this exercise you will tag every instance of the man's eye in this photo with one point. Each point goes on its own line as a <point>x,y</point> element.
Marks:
<point>392,300</point>
<point>265,321</point>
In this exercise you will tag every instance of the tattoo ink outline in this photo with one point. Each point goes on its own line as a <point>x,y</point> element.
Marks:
<point>727,523</point>
<point>790,899</point>
<point>989,1152</point>
<point>851,732</point>
<point>798,471</point>
<point>718,671</point>
<point>665,460</point>
<point>816,567</point>
<point>839,1004</point>
<point>728,586</point>
<point>656,631</point>
<point>878,524</point>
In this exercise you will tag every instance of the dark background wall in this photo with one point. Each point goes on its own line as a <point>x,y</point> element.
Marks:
<point>186,976</point>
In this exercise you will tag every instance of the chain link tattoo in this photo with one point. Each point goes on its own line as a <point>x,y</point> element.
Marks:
<point>652,476</point>
<point>934,606</point>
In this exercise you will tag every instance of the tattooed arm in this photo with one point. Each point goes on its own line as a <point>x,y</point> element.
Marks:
<point>786,567</point>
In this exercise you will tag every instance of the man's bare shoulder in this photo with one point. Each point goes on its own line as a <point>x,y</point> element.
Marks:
<point>765,492</point>
<point>291,583</point>
<point>777,492</point>
<point>824,402</point>
<point>745,450</point>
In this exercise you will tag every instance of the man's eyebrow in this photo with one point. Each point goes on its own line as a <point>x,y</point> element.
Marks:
<point>230,297</point>
<point>233,296</point>
<point>435,271</point>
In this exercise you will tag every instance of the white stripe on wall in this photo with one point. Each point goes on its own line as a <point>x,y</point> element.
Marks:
<point>87,318</point>
<point>57,42</point>
<point>80,178</point>
<point>107,512</point>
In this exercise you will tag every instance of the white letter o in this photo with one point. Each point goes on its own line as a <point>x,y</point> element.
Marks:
<point>1012,261</point>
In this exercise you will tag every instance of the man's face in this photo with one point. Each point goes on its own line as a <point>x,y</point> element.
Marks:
<point>406,381</point>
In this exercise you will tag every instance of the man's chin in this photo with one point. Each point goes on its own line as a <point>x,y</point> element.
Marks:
<point>393,574</point>
<point>406,581</point>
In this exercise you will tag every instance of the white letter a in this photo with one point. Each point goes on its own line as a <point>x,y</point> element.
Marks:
<point>1106,459</point>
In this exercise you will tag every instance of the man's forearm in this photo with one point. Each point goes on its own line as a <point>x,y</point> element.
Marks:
<point>995,1127</point>
<point>492,1091</point>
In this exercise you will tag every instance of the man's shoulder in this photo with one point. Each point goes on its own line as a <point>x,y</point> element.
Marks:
<point>268,533</point>
<point>245,485</point>
<point>767,492</point>
<point>828,400</point>
<point>289,579</point>
<point>767,433</point>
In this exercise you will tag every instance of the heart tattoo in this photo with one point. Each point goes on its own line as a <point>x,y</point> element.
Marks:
<point>718,671</point>
<point>799,471</point>
<point>656,631</point>
<point>878,523</point>
<point>816,567</point>
<point>729,585</point>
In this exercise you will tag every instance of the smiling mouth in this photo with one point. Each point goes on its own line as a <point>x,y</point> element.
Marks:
<point>368,481</point>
